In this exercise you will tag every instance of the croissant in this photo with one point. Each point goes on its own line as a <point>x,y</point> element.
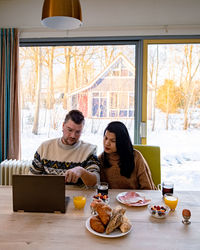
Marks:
<point>96,224</point>
<point>96,203</point>
<point>104,213</point>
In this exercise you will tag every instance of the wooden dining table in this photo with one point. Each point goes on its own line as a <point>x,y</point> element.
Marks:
<point>53,231</point>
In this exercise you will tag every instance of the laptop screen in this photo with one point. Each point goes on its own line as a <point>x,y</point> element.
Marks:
<point>39,193</point>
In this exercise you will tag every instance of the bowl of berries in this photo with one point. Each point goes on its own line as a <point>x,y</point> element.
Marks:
<point>158,211</point>
<point>101,197</point>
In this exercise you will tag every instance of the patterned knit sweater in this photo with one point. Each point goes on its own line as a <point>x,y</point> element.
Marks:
<point>54,157</point>
<point>139,179</point>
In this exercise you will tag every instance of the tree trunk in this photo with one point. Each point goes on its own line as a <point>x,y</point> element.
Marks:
<point>67,73</point>
<point>155,91</point>
<point>50,98</point>
<point>76,83</point>
<point>167,121</point>
<point>37,108</point>
<point>190,84</point>
<point>168,109</point>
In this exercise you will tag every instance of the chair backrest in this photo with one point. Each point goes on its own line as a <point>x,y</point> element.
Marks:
<point>152,156</point>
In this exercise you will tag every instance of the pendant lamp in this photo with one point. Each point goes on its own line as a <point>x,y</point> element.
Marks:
<point>62,14</point>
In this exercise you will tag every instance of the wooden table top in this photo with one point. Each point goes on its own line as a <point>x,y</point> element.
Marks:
<point>51,231</point>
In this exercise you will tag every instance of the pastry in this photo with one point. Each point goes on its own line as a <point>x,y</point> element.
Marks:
<point>126,224</point>
<point>96,224</point>
<point>116,219</point>
<point>94,203</point>
<point>118,209</point>
<point>104,211</point>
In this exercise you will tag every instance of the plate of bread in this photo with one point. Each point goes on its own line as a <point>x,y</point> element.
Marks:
<point>108,222</point>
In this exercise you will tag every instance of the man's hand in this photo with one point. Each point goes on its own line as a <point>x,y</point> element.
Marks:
<point>72,175</point>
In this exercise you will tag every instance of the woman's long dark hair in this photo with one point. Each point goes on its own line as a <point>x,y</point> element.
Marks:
<point>124,148</point>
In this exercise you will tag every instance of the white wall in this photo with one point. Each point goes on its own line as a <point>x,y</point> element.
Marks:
<point>109,18</point>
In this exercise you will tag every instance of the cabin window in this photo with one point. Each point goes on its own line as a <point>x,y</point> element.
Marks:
<point>99,105</point>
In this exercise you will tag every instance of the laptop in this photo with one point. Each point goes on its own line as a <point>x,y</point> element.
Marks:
<point>39,193</point>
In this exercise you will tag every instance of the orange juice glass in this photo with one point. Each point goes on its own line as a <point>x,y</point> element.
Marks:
<point>171,201</point>
<point>79,201</point>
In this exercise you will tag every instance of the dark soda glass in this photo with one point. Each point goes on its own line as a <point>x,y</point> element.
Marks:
<point>102,188</point>
<point>166,190</point>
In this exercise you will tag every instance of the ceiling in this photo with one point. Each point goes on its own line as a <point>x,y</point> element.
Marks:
<point>110,17</point>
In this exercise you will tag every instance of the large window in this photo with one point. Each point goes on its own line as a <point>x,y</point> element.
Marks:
<point>153,82</point>
<point>99,80</point>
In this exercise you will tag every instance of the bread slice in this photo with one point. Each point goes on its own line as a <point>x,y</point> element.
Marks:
<point>126,224</point>
<point>116,219</point>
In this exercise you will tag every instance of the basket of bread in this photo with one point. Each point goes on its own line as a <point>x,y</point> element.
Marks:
<point>108,222</point>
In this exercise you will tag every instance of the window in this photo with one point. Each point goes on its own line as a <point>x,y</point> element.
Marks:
<point>151,81</point>
<point>96,79</point>
<point>99,104</point>
<point>173,111</point>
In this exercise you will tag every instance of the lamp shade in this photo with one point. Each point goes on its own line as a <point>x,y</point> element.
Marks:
<point>62,14</point>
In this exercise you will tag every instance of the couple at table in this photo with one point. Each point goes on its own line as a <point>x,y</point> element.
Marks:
<point>120,165</point>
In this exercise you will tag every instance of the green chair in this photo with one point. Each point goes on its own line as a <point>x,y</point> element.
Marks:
<point>152,156</point>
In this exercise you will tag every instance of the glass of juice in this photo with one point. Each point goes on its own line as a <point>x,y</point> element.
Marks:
<point>79,201</point>
<point>102,188</point>
<point>171,201</point>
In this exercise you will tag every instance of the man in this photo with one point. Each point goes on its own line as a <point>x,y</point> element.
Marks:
<point>68,155</point>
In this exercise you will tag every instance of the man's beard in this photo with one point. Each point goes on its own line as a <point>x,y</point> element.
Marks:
<point>66,141</point>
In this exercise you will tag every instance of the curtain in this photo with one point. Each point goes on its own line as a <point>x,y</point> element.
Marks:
<point>9,95</point>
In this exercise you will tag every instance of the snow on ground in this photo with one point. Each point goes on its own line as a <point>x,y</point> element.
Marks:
<point>180,150</point>
<point>185,176</point>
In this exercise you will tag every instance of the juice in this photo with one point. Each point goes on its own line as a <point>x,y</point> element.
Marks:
<point>171,201</point>
<point>79,201</point>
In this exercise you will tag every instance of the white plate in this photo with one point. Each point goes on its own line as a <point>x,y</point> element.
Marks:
<point>133,204</point>
<point>116,233</point>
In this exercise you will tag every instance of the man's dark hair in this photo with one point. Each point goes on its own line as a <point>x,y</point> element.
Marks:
<point>76,116</point>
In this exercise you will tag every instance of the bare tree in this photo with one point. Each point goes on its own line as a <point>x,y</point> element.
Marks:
<point>50,95</point>
<point>38,62</point>
<point>153,83</point>
<point>169,98</point>
<point>67,54</point>
<point>189,83</point>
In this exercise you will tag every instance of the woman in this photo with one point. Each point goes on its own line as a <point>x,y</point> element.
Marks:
<point>121,165</point>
